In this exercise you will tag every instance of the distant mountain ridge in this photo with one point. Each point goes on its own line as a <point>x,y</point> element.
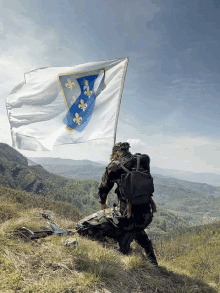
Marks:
<point>208,178</point>
<point>16,174</point>
<point>191,200</point>
<point>50,163</point>
<point>65,162</point>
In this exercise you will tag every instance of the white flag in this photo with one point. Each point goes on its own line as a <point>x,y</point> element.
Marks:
<point>66,105</point>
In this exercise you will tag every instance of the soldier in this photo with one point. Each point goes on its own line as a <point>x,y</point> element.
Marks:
<point>136,212</point>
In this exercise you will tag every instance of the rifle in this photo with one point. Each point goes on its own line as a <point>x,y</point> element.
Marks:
<point>28,234</point>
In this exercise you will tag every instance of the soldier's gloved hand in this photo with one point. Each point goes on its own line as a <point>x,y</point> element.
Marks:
<point>104,206</point>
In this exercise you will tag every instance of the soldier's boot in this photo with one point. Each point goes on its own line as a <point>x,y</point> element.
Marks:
<point>150,253</point>
<point>145,242</point>
<point>124,242</point>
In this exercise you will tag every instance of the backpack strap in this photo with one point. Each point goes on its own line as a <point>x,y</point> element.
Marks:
<point>125,169</point>
<point>122,166</point>
<point>129,200</point>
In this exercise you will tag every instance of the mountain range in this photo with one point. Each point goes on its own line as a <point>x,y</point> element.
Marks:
<point>193,201</point>
<point>51,165</point>
<point>208,178</point>
<point>17,174</point>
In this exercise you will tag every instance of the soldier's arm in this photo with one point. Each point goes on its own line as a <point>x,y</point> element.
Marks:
<point>104,187</point>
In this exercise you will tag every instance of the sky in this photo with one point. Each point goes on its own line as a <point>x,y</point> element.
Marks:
<point>170,105</point>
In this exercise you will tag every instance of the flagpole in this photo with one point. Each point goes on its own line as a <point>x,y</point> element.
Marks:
<point>118,108</point>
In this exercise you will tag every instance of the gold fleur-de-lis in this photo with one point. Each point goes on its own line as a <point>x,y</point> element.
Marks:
<point>87,91</point>
<point>70,84</point>
<point>73,100</point>
<point>82,105</point>
<point>77,119</point>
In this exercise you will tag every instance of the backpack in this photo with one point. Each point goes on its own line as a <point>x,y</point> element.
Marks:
<point>136,186</point>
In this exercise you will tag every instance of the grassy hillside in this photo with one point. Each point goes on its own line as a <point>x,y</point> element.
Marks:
<point>165,222</point>
<point>194,252</point>
<point>47,265</point>
<point>13,201</point>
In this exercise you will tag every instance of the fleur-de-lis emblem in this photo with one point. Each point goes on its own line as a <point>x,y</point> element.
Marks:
<point>70,84</point>
<point>77,119</point>
<point>87,91</point>
<point>73,100</point>
<point>82,105</point>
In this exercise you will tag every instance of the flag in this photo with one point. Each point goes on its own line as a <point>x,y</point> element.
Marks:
<point>66,105</point>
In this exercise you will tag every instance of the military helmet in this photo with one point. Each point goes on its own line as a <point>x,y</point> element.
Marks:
<point>121,146</point>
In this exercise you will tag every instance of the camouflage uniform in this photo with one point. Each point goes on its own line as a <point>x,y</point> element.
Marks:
<point>141,217</point>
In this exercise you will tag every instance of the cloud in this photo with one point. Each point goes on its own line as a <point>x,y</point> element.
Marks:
<point>196,154</point>
<point>26,46</point>
<point>11,73</point>
<point>1,28</point>
<point>182,152</point>
<point>137,145</point>
<point>187,153</point>
<point>136,142</point>
<point>23,49</point>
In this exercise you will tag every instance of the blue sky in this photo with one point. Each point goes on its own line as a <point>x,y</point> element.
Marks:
<point>170,107</point>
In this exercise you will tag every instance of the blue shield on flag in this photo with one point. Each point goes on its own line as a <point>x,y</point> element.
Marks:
<point>79,92</point>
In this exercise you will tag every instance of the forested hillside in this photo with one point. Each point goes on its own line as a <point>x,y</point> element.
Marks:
<point>191,202</point>
<point>83,194</point>
<point>195,202</point>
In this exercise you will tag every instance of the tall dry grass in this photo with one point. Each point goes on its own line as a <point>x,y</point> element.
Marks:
<point>47,265</point>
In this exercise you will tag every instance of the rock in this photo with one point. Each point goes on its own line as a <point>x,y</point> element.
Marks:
<point>72,242</point>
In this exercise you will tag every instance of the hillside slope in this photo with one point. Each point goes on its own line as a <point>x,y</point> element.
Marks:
<point>193,201</point>
<point>15,172</point>
<point>48,266</point>
<point>193,251</point>
<point>81,193</point>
